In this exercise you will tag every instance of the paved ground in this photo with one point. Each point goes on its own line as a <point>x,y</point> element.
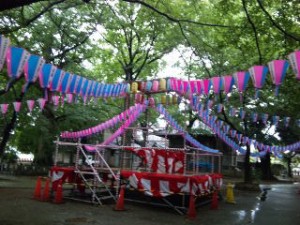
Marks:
<point>18,208</point>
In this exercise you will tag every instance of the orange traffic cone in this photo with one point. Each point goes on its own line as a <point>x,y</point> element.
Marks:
<point>191,214</point>
<point>58,194</point>
<point>120,203</point>
<point>46,195</point>
<point>37,190</point>
<point>214,202</point>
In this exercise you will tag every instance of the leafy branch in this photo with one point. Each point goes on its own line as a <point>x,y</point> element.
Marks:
<point>34,18</point>
<point>254,30</point>
<point>275,24</point>
<point>173,19</point>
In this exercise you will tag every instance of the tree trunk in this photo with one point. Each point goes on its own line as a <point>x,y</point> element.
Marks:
<point>43,156</point>
<point>6,133</point>
<point>266,167</point>
<point>11,125</point>
<point>289,168</point>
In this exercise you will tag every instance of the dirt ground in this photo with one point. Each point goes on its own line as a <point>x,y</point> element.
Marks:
<point>17,207</point>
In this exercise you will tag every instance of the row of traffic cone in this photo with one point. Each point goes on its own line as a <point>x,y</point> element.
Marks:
<point>191,213</point>
<point>120,201</point>
<point>44,194</point>
<point>39,194</point>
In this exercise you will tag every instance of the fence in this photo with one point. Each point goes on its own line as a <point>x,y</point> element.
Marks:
<point>23,169</point>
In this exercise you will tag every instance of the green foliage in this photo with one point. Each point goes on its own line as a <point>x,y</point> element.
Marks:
<point>120,41</point>
<point>132,43</point>
<point>10,156</point>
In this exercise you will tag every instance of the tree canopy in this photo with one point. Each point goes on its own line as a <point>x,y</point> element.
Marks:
<point>109,41</point>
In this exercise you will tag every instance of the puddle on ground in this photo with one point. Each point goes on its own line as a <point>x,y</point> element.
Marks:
<point>247,217</point>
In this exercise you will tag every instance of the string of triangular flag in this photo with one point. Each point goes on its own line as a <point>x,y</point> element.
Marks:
<point>160,109</point>
<point>19,61</point>
<point>225,132</point>
<point>242,113</point>
<point>105,125</point>
<point>252,116</point>
<point>208,121</point>
<point>31,103</point>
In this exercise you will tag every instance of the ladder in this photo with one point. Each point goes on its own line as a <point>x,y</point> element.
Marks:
<point>98,188</point>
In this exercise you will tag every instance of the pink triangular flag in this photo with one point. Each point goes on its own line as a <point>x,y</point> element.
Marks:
<point>42,103</point>
<point>17,106</point>
<point>55,100</point>
<point>69,98</point>
<point>62,100</point>
<point>4,108</point>
<point>4,44</point>
<point>30,104</point>
<point>85,98</point>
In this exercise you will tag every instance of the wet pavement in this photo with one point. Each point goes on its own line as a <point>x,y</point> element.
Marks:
<point>278,205</point>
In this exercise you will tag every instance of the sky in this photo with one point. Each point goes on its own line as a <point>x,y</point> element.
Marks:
<point>170,70</point>
<point>23,156</point>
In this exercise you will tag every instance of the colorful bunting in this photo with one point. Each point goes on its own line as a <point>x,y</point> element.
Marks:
<point>264,118</point>
<point>30,105</point>
<point>205,86</point>
<point>219,108</point>
<point>263,149</point>
<point>233,133</point>
<point>175,125</point>
<point>57,80</point>
<point>258,75</point>
<point>286,121</point>
<point>241,80</point>
<point>278,70</point>
<point>4,44</point>
<point>16,59</point>
<point>217,83</point>
<point>242,113</point>
<point>254,117</point>
<point>4,108</point>
<point>232,111</point>
<point>275,120</point>
<point>55,100</point>
<point>69,98</point>
<point>46,75</point>
<point>227,83</point>
<point>32,69</point>
<point>42,103</point>
<point>294,59</point>
<point>66,83</point>
<point>17,106</point>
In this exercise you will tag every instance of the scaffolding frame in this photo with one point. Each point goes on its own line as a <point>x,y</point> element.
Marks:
<point>190,154</point>
<point>126,161</point>
<point>91,173</point>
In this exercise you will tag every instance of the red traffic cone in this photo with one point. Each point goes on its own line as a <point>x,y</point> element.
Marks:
<point>37,190</point>
<point>46,195</point>
<point>214,202</point>
<point>120,203</point>
<point>191,214</point>
<point>58,194</point>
